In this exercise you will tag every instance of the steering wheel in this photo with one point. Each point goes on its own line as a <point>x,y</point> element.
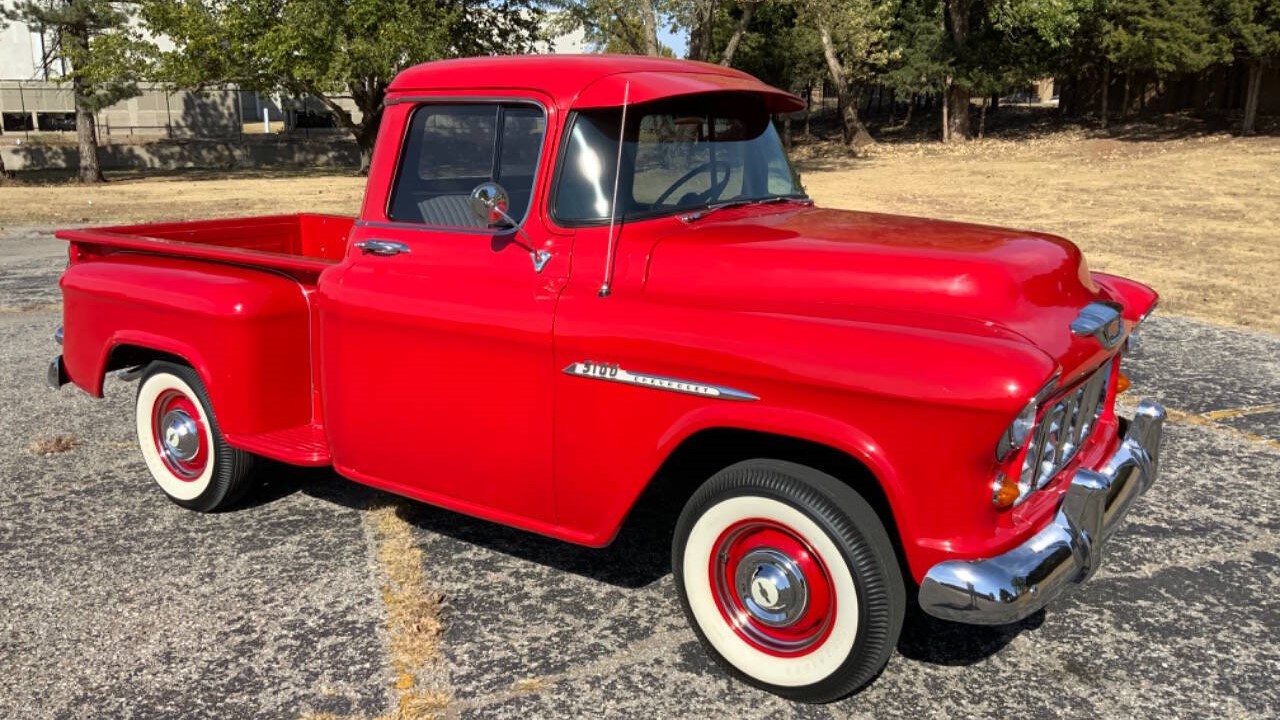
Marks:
<point>711,192</point>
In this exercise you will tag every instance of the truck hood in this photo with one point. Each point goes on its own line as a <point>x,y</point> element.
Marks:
<point>880,268</point>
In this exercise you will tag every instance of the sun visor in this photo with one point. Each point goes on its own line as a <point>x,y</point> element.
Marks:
<point>648,86</point>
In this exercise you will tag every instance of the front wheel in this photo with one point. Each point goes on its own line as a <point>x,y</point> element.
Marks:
<point>789,579</point>
<point>181,443</point>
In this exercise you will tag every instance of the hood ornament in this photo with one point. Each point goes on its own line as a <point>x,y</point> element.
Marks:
<point>1102,320</point>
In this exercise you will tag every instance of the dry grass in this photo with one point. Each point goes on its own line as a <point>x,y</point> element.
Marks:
<point>529,685</point>
<point>179,197</point>
<point>53,444</point>
<point>1195,217</point>
<point>413,619</point>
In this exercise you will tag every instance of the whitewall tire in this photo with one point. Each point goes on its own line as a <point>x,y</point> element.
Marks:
<point>180,442</point>
<point>789,579</point>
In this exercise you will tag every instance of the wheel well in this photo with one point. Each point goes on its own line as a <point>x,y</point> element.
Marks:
<point>703,454</point>
<point>128,356</point>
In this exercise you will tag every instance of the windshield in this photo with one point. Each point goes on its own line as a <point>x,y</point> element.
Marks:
<point>679,155</point>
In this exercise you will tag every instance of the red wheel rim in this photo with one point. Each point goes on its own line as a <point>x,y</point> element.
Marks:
<point>179,435</point>
<point>772,588</point>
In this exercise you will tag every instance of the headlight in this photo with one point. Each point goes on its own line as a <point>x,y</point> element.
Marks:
<point>1018,432</point>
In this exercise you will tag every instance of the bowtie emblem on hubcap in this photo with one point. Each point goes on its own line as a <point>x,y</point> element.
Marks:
<point>764,592</point>
<point>771,587</point>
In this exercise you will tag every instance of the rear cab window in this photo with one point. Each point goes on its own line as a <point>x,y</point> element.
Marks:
<point>451,148</point>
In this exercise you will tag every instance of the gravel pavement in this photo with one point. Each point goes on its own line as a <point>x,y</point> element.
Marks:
<point>116,603</point>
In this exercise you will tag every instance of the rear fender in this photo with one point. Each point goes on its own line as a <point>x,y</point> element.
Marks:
<point>246,332</point>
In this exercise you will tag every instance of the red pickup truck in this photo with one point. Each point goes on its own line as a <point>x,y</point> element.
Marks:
<point>576,278</point>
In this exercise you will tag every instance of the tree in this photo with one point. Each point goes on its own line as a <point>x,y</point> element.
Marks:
<point>739,30</point>
<point>106,58</point>
<point>5,174</point>
<point>320,48</point>
<point>1252,30</point>
<point>855,45</point>
<point>1161,36</point>
<point>621,26</point>
<point>921,62</point>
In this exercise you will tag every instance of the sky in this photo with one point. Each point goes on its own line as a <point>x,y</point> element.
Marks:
<point>677,42</point>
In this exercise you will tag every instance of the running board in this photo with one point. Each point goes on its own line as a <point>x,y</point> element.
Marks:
<point>303,445</point>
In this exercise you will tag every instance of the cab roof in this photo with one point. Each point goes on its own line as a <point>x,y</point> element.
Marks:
<point>589,81</point>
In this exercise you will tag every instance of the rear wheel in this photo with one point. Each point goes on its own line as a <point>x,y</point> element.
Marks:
<point>789,579</point>
<point>181,444</point>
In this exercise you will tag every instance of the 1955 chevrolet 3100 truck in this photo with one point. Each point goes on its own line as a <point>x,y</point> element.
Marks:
<point>573,276</point>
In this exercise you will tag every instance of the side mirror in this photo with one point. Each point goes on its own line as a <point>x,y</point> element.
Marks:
<point>489,202</point>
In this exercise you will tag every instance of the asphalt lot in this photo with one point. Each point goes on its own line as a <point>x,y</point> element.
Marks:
<point>116,603</point>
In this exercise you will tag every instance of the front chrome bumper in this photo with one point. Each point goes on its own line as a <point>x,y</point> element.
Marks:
<point>1009,587</point>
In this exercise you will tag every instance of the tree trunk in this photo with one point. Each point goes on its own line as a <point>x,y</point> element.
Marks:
<point>854,132</point>
<point>786,130</point>
<point>1124,104</point>
<point>748,10</point>
<point>911,106</point>
<point>946,121</point>
<point>366,135</point>
<point>86,135</point>
<point>650,19</point>
<point>1106,92</point>
<point>808,110</point>
<point>982,119</point>
<point>957,113</point>
<point>1252,90</point>
<point>956,103</point>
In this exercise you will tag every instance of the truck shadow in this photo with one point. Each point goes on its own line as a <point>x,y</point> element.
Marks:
<point>940,642</point>
<point>637,558</point>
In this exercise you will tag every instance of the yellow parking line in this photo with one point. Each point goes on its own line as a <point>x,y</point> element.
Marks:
<point>1241,411</point>
<point>1203,420</point>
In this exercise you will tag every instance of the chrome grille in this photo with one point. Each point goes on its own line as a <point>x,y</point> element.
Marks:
<point>1063,428</point>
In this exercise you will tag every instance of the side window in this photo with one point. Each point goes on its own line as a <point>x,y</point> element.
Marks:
<point>450,149</point>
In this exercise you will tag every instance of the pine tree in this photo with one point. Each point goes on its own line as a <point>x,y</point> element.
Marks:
<point>1161,36</point>
<point>1252,30</point>
<point>921,62</point>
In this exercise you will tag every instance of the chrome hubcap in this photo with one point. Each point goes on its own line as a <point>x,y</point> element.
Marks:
<point>180,435</point>
<point>771,587</point>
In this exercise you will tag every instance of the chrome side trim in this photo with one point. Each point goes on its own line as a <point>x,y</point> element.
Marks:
<point>612,373</point>
<point>1011,586</point>
<point>57,335</point>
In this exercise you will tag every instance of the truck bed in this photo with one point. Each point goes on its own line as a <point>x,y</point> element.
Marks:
<point>301,242</point>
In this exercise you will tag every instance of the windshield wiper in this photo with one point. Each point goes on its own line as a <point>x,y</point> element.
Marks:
<point>703,212</point>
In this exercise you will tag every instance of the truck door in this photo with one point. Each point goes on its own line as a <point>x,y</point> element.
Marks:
<point>436,335</point>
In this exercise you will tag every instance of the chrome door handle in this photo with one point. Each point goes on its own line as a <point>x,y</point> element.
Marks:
<point>382,247</point>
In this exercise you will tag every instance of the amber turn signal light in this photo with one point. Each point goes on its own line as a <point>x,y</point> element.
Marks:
<point>1004,492</point>
<point>1122,382</point>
